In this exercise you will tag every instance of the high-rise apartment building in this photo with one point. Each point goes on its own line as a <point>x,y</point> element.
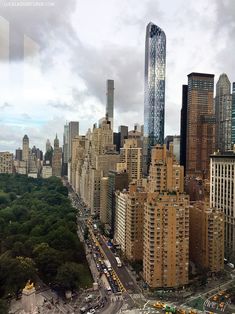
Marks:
<point>223,113</point>
<point>104,187</point>
<point>117,181</point>
<point>183,126</point>
<point>6,162</point>
<point>200,124</point>
<point>131,157</point>
<point>206,237</point>
<point>166,239</point>
<point>165,173</point>
<point>120,218</point>
<point>73,130</point>
<point>233,115</point>
<point>110,100</point>
<point>154,98</point>
<point>166,222</point>
<point>135,222</point>
<point>222,195</point>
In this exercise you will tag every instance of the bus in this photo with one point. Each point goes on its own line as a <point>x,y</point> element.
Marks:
<point>107,264</point>
<point>119,263</point>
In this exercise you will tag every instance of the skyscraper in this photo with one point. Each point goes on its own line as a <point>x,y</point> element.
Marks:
<point>183,126</point>
<point>154,99</point>
<point>72,132</point>
<point>48,145</point>
<point>166,222</point>
<point>56,158</point>
<point>223,114</point>
<point>110,100</point>
<point>25,151</point>
<point>200,141</point>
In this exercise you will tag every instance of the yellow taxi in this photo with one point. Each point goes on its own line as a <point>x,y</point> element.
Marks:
<point>215,298</point>
<point>159,305</point>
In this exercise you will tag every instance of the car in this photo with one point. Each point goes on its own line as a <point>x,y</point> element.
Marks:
<point>221,305</point>
<point>83,310</point>
<point>159,305</point>
<point>215,298</point>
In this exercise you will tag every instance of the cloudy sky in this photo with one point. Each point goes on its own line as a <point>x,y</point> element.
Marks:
<point>56,56</point>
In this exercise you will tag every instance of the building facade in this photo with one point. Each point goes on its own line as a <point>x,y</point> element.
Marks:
<point>104,186</point>
<point>120,218</point>
<point>6,162</point>
<point>223,113</point>
<point>57,159</point>
<point>200,124</point>
<point>117,181</point>
<point>154,94</point>
<point>135,222</point>
<point>165,174</point>
<point>222,193</point>
<point>206,237</point>
<point>25,150</point>
<point>110,100</point>
<point>166,240</point>
<point>73,130</point>
<point>131,158</point>
<point>183,125</point>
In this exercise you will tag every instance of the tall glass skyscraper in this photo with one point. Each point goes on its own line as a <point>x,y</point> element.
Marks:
<point>154,98</point>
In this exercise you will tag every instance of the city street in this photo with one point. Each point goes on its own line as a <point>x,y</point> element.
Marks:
<point>122,273</point>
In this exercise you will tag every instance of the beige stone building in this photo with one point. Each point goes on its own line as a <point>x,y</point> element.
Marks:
<point>57,159</point>
<point>206,234</point>
<point>166,239</point>
<point>134,222</point>
<point>6,162</point>
<point>25,148</point>
<point>165,174</point>
<point>131,160</point>
<point>166,222</point>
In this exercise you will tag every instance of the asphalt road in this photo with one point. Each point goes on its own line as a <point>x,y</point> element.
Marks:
<point>127,281</point>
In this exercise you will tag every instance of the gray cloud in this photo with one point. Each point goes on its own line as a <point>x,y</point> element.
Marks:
<point>61,105</point>
<point>224,31</point>
<point>5,106</point>
<point>122,64</point>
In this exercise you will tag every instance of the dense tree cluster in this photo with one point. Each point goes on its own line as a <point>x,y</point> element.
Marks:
<point>38,236</point>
